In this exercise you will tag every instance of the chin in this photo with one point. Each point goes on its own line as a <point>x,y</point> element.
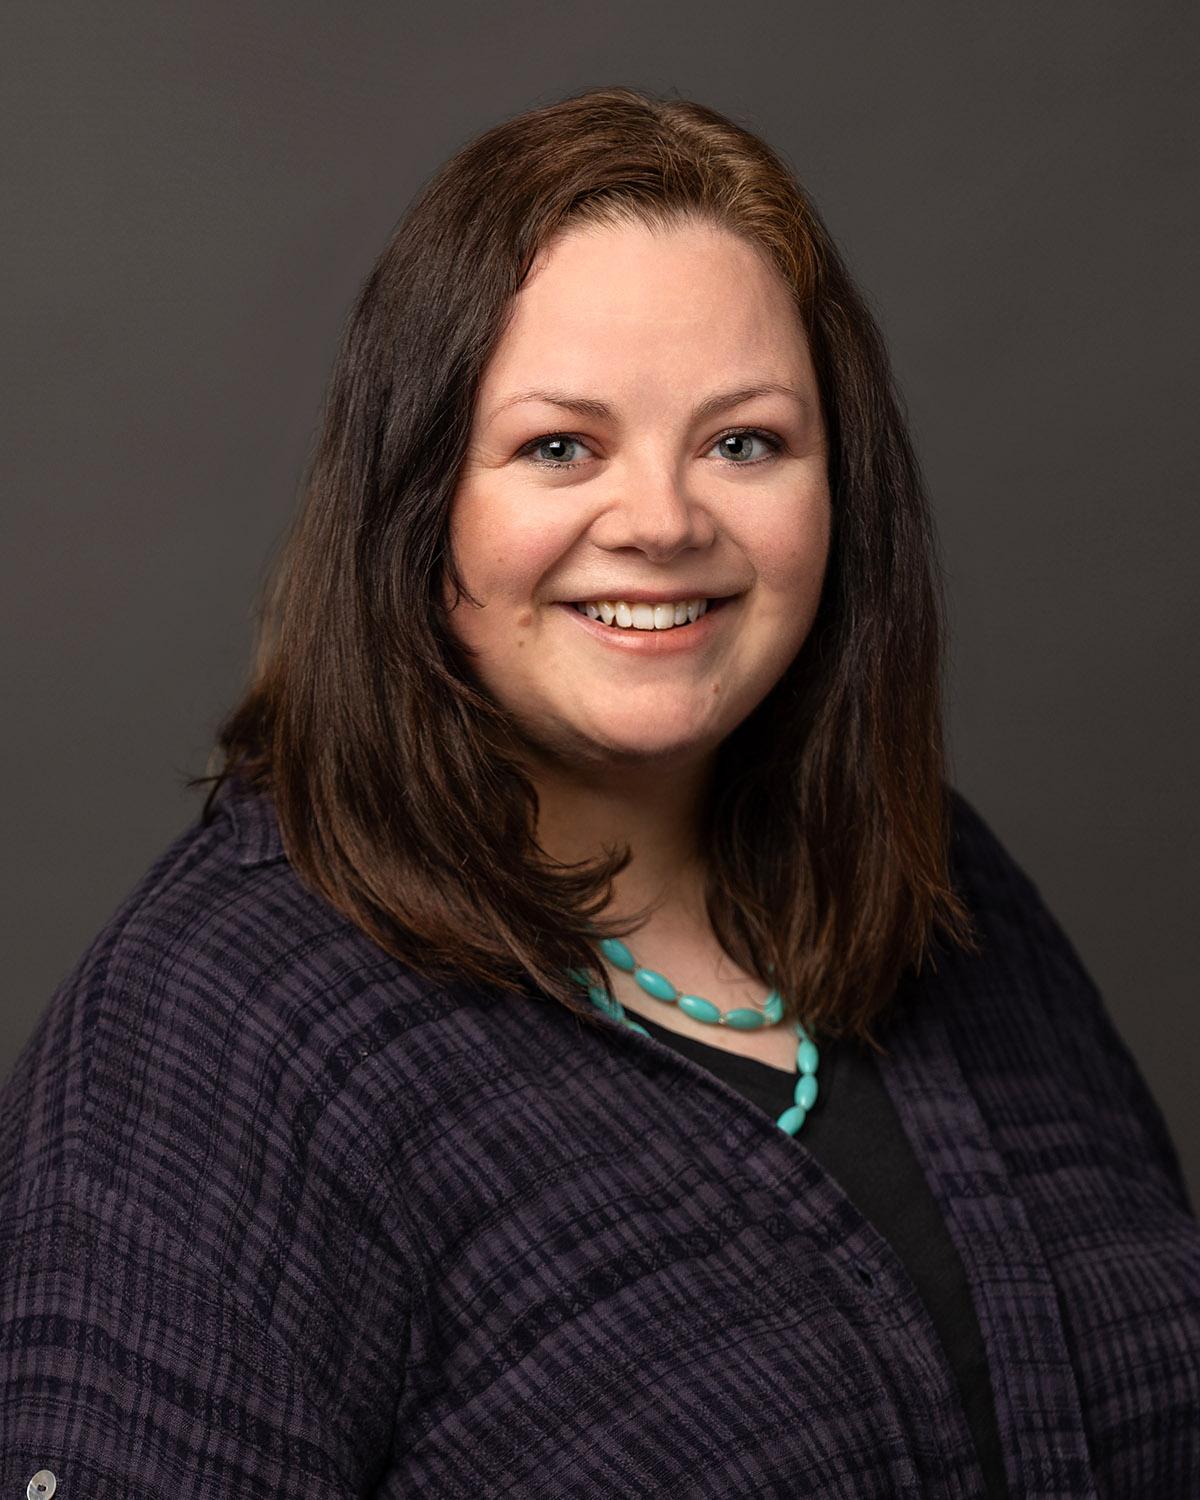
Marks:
<point>639,742</point>
<point>582,732</point>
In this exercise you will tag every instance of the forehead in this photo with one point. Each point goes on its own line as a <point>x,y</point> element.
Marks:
<point>632,305</point>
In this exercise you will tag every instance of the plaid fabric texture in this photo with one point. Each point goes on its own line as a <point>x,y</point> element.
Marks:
<point>280,1218</point>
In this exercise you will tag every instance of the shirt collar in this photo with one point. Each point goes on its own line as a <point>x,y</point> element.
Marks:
<point>255,826</point>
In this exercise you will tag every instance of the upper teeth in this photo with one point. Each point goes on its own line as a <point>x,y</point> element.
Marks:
<point>645,616</point>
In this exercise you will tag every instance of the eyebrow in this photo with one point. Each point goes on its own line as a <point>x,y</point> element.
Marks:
<point>601,411</point>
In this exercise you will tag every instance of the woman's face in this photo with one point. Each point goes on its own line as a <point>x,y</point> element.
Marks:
<point>647,432</point>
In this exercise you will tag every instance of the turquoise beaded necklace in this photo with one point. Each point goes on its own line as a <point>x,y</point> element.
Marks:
<point>741,1018</point>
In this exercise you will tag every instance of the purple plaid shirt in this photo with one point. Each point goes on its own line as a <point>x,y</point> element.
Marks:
<point>281,1218</point>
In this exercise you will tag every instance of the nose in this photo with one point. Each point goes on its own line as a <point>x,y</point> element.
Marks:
<point>653,513</point>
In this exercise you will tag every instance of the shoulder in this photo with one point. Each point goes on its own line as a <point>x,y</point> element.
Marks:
<point>1024,945</point>
<point>994,881</point>
<point>196,1147</point>
<point>221,988</point>
<point>230,1062</point>
<point>1026,1007</point>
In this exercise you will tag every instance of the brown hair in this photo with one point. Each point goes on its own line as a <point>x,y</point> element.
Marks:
<point>389,766</point>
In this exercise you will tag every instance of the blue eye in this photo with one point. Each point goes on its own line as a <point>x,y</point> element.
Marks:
<point>553,439</point>
<point>740,437</point>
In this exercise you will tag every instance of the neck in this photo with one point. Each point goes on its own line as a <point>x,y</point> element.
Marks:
<point>657,812</point>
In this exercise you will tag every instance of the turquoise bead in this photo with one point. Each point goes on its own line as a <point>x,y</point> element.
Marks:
<point>617,953</point>
<point>598,998</point>
<point>792,1118</point>
<point>577,976</point>
<point>698,1008</point>
<point>744,1019</point>
<point>773,1007</point>
<point>655,984</point>
<point>806,1091</point>
<point>807,1056</point>
<point>636,1026</point>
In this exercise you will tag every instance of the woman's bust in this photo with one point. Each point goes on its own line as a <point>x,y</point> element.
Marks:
<point>598,685</point>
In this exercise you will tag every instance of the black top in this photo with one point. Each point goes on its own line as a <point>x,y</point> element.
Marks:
<point>856,1133</point>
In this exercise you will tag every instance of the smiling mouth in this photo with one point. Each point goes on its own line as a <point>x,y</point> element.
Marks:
<point>677,615</point>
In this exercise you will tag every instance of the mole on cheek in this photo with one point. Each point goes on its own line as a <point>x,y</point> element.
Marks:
<point>525,618</point>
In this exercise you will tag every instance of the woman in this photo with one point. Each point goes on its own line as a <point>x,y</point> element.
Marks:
<point>585,1046</point>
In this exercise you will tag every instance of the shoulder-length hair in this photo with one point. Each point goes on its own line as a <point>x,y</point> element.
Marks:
<point>391,769</point>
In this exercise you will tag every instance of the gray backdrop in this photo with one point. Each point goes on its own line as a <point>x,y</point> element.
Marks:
<point>192,194</point>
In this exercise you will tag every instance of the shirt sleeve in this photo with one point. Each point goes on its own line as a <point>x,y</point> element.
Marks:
<point>128,1369</point>
<point>1071,999</point>
<point>1124,1073</point>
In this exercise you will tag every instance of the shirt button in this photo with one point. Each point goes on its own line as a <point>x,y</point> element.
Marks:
<point>41,1486</point>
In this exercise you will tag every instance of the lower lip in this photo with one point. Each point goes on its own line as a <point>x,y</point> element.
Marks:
<point>654,642</point>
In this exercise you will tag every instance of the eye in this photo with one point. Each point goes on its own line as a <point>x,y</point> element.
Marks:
<point>736,445</point>
<point>552,440</point>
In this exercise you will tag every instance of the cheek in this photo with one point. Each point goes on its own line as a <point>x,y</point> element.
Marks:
<point>792,554</point>
<point>504,550</point>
